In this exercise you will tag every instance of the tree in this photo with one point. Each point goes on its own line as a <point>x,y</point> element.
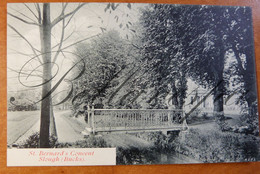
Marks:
<point>225,29</point>
<point>109,61</point>
<point>42,19</point>
<point>240,39</point>
<point>192,41</point>
<point>44,60</point>
<point>207,52</point>
<point>164,50</point>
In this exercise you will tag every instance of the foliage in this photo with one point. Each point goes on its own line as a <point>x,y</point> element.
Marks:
<point>162,146</point>
<point>194,41</point>
<point>251,123</point>
<point>90,142</point>
<point>109,61</point>
<point>247,123</point>
<point>136,156</point>
<point>33,141</point>
<point>22,101</point>
<point>163,51</point>
<point>193,116</point>
<point>240,39</point>
<point>22,107</point>
<point>215,146</point>
<point>39,15</point>
<point>159,140</point>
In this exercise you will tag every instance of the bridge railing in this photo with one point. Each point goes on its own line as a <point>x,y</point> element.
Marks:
<point>102,120</point>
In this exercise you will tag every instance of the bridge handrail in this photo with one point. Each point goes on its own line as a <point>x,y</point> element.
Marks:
<point>99,119</point>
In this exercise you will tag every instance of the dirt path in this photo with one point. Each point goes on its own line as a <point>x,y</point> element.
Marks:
<point>67,130</point>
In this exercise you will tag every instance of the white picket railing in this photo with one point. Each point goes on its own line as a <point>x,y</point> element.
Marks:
<point>106,120</point>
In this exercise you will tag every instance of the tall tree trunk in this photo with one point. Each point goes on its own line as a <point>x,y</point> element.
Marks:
<point>53,131</point>
<point>47,74</point>
<point>182,90</point>
<point>250,81</point>
<point>218,100</point>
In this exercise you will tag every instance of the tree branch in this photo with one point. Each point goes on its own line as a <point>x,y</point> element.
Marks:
<point>64,39</point>
<point>33,49</point>
<point>39,13</point>
<point>62,16</point>
<point>64,8</point>
<point>20,19</point>
<point>69,19</point>
<point>21,53</point>
<point>31,11</point>
<point>80,41</point>
<point>26,16</point>
<point>25,74</point>
<point>61,41</point>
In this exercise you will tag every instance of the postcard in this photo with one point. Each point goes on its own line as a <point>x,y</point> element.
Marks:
<point>130,83</point>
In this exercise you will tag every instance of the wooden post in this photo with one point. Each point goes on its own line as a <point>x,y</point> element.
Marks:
<point>93,118</point>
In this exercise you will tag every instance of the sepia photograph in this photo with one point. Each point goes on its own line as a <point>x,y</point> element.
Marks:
<point>161,83</point>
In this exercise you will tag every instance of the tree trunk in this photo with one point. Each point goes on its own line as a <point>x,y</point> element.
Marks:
<point>53,131</point>
<point>179,92</point>
<point>218,100</point>
<point>174,98</point>
<point>182,90</point>
<point>250,81</point>
<point>47,74</point>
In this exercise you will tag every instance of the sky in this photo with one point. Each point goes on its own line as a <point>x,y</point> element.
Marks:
<point>87,22</point>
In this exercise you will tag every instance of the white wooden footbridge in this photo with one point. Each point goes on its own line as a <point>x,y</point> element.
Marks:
<point>134,120</point>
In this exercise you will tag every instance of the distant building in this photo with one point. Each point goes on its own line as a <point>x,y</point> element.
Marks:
<point>197,94</point>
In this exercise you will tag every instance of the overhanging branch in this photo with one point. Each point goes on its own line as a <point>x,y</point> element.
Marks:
<point>64,39</point>
<point>31,11</point>
<point>82,40</point>
<point>63,16</point>
<point>39,12</point>
<point>23,20</point>
<point>33,49</point>
<point>61,41</point>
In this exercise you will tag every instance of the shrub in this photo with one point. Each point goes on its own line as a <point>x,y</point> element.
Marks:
<point>193,117</point>
<point>218,146</point>
<point>205,116</point>
<point>91,141</point>
<point>88,142</point>
<point>251,122</point>
<point>135,155</point>
<point>33,141</point>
